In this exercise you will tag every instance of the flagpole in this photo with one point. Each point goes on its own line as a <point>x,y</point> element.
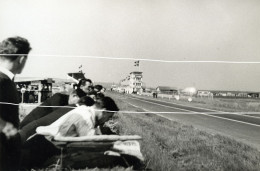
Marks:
<point>139,66</point>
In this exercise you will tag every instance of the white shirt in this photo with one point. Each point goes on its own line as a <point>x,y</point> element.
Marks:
<point>87,113</point>
<point>7,72</point>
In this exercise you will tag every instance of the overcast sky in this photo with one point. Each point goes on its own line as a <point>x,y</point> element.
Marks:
<point>178,30</point>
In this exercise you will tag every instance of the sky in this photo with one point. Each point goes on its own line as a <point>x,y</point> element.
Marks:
<point>65,34</point>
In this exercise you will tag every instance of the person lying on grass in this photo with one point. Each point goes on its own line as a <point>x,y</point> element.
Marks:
<point>30,129</point>
<point>83,120</point>
<point>52,104</point>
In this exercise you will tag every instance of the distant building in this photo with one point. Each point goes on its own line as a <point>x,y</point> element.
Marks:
<point>133,83</point>
<point>136,80</point>
<point>166,90</point>
<point>229,94</point>
<point>36,89</point>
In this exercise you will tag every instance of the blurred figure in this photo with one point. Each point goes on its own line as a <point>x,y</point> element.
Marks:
<point>93,95</point>
<point>100,95</point>
<point>91,89</point>
<point>84,84</point>
<point>13,56</point>
<point>99,89</point>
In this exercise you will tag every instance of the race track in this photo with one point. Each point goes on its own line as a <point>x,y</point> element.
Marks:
<point>242,128</point>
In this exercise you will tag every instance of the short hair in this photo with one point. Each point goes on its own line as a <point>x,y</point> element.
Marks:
<point>83,82</point>
<point>86,100</point>
<point>98,87</point>
<point>79,92</point>
<point>108,103</point>
<point>14,45</point>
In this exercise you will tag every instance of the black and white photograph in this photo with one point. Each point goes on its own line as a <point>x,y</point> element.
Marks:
<point>120,85</point>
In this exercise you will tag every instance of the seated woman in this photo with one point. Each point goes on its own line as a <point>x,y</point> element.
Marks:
<point>83,120</point>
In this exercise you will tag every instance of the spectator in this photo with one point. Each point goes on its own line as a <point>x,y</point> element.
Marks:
<point>93,95</point>
<point>29,129</point>
<point>83,120</point>
<point>57,99</point>
<point>100,95</point>
<point>98,88</point>
<point>13,56</point>
<point>91,89</point>
<point>37,149</point>
<point>84,84</point>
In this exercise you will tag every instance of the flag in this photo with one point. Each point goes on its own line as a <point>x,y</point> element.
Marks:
<point>136,63</point>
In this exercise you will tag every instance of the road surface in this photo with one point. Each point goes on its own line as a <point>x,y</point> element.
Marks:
<point>242,128</point>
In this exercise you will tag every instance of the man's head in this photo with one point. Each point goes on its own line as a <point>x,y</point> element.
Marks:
<point>98,88</point>
<point>13,53</point>
<point>86,100</point>
<point>75,95</point>
<point>84,84</point>
<point>105,109</point>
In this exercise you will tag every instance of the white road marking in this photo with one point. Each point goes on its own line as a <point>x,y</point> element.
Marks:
<point>151,112</point>
<point>200,113</point>
<point>233,113</point>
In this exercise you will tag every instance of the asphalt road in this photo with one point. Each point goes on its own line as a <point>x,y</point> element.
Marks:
<point>239,127</point>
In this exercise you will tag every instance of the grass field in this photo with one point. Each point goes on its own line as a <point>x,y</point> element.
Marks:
<point>232,105</point>
<point>169,145</point>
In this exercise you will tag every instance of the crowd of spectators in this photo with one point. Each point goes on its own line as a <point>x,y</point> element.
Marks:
<point>81,112</point>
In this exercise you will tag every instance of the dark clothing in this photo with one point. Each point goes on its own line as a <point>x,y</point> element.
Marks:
<point>9,94</point>
<point>30,129</point>
<point>57,99</point>
<point>36,151</point>
<point>9,148</point>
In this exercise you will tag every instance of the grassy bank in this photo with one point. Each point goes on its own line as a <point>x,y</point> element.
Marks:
<point>169,145</point>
